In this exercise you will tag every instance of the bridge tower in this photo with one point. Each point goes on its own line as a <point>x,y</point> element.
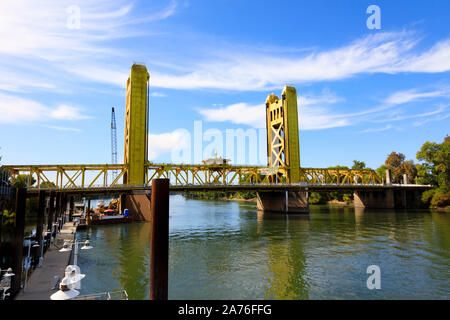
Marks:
<point>136,142</point>
<point>283,148</point>
<point>136,125</point>
<point>283,152</point>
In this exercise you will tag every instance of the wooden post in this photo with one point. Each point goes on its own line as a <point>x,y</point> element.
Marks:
<point>57,212</point>
<point>159,247</point>
<point>40,221</point>
<point>71,208</point>
<point>19,229</point>
<point>51,211</point>
<point>88,214</point>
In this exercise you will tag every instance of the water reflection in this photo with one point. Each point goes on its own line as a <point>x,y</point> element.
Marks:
<point>228,250</point>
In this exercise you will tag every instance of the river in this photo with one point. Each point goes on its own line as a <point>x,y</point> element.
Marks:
<point>228,250</point>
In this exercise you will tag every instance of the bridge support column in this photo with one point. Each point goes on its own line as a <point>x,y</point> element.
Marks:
<point>138,204</point>
<point>383,199</point>
<point>285,201</point>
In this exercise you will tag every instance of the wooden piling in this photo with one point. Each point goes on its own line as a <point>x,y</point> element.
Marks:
<point>40,220</point>
<point>19,229</point>
<point>159,247</point>
<point>71,208</point>
<point>51,211</point>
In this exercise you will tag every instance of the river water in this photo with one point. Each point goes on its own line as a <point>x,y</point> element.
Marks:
<point>228,250</point>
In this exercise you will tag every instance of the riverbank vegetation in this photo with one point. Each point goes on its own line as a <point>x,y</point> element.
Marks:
<point>435,170</point>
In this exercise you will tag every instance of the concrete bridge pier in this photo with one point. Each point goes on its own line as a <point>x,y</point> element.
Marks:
<point>383,199</point>
<point>388,198</point>
<point>284,201</point>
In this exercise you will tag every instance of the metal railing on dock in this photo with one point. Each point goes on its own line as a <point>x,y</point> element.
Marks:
<point>113,295</point>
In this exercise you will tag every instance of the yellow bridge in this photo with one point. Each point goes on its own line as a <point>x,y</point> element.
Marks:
<point>75,177</point>
<point>283,171</point>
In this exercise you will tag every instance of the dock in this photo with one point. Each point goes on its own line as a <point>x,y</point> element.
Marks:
<point>41,281</point>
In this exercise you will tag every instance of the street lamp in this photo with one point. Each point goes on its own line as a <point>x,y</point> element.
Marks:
<point>27,261</point>
<point>5,282</point>
<point>66,247</point>
<point>65,291</point>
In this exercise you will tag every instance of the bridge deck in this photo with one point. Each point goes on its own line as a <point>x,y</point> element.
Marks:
<point>125,189</point>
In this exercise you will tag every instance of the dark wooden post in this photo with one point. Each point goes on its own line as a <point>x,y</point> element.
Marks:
<point>40,221</point>
<point>57,210</point>
<point>64,209</point>
<point>88,214</point>
<point>159,247</point>
<point>51,211</point>
<point>1,224</point>
<point>71,206</point>
<point>19,229</point>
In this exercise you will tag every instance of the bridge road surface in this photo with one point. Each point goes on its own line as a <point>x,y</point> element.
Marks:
<point>41,281</point>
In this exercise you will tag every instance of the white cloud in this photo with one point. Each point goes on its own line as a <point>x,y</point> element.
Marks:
<point>314,113</point>
<point>63,128</point>
<point>406,96</point>
<point>19,110</point>
<point>158,94</point>
<point>239,113</point>
<point>387,127</point>
<point>380,53</point>
<point>64,112</point>
<point>35,35</point>
<point>163,143</point>
<point>437,118</point>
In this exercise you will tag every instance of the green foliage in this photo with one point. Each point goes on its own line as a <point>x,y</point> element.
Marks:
<point>339,167</point>
<point>47,184</point>
<point>396,162</point>
<point>381,171</point>
<point>347,197</point>
<point>435,170</point>
<point>315,198</point>
<point>441,198</point>
<point>358,165</point>
<point>436,163</point>
<point>21,181</point>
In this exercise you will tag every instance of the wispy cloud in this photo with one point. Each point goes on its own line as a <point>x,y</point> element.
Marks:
<point>163,143</point>
<point>42,35</point>
<point>63,128</point>
<point>158,94</point>
<point>314,113</point>
<point>20,110</point>
<point>385,128</point>
<point>389,52</point>
<point>406,96</point>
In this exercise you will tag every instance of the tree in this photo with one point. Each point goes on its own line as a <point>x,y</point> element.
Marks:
<point>435,170</point>
<point>358,165</point>
<point>396,162</point>
<point>436,162</point>
<point>381,171</point>
<point>47,184</point>
<point>21,181</point>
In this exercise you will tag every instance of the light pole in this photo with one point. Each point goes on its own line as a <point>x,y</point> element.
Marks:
<point>27,262</point>
<point>5,282</point>
<point>66,247</point>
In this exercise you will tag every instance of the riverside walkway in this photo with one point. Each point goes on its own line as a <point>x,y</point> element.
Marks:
<point>41,281</point>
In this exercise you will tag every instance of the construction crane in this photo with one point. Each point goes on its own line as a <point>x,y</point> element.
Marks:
<point>113,142</point>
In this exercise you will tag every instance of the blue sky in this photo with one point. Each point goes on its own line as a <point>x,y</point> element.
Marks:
<point>362,93</point>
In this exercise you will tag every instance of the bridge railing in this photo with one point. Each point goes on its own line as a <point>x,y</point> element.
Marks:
<point>101,175</point>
